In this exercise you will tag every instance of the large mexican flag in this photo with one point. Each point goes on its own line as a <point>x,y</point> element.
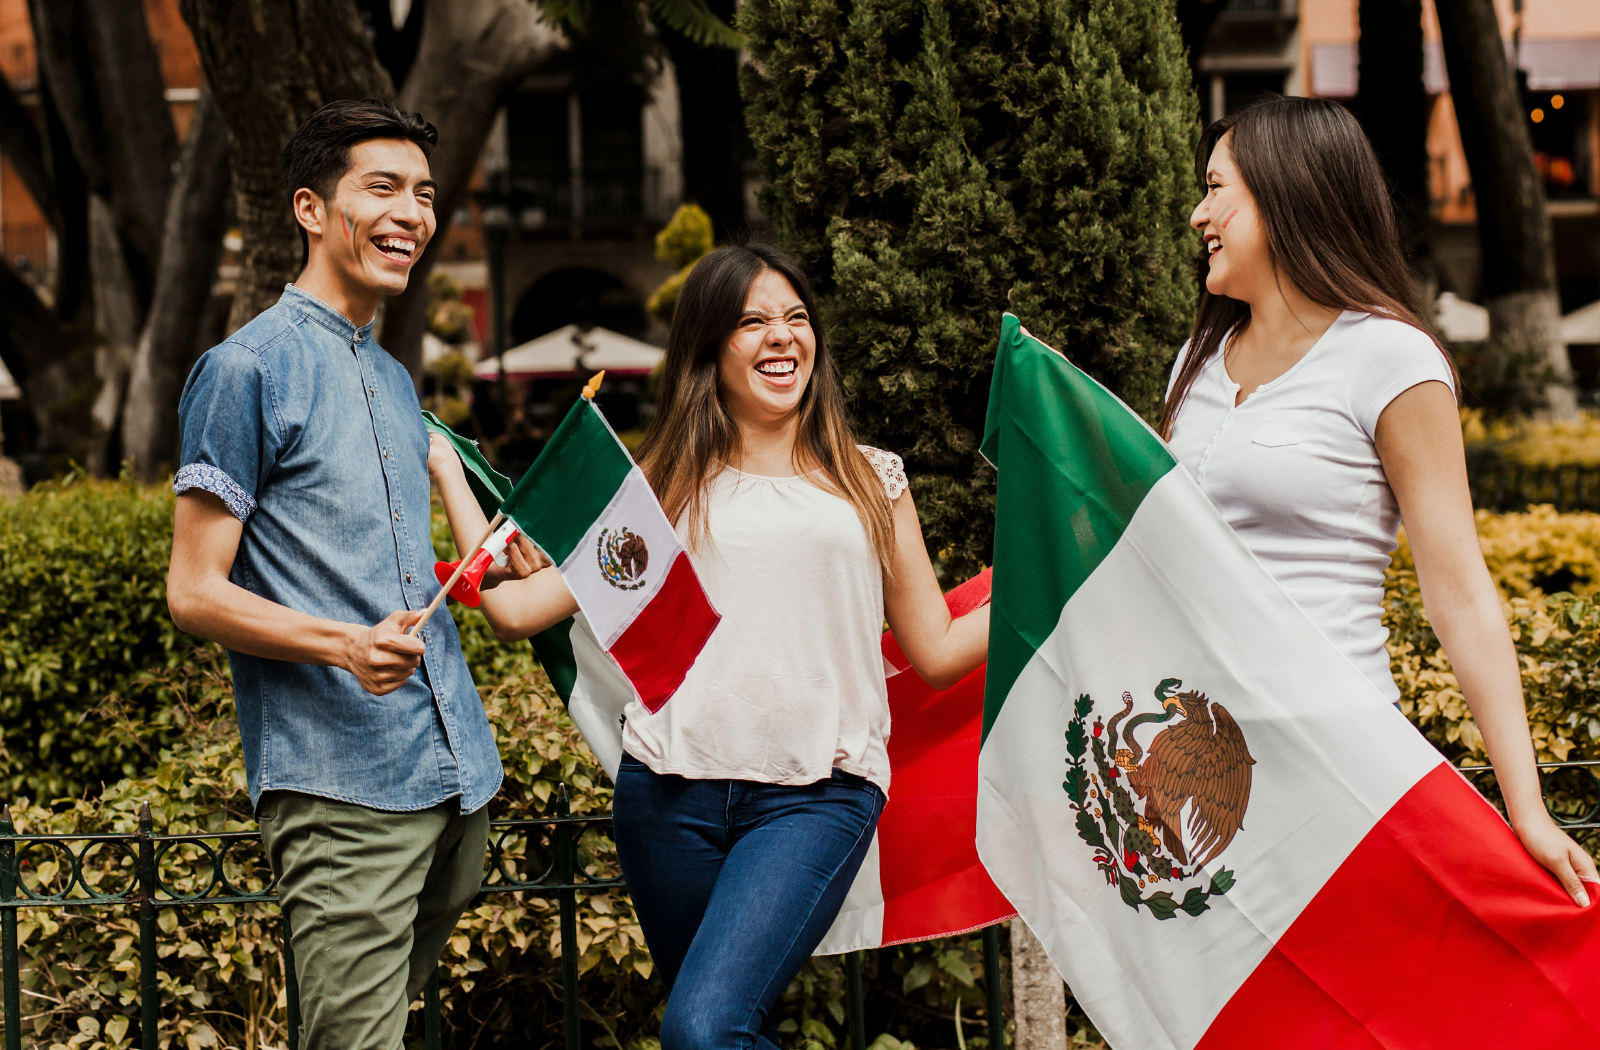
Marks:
<point>1221,833</point>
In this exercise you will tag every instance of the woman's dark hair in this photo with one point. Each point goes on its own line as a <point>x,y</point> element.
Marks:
<point>693,434</point>
<point>1329,220</point>
<point>318,154</point>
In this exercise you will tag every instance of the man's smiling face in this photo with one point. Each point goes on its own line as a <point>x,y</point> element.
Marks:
<point>380,218</point>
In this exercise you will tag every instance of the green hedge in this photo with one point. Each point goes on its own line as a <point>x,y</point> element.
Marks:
<point>83,568</point>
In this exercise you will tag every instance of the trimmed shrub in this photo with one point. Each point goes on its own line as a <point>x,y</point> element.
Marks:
<point>83,567</point>
<point>933,164</point>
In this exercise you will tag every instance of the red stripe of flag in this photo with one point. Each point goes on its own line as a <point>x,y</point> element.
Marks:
<point>657,649</point>
<point>933,883</point>
<point>1381,959</point>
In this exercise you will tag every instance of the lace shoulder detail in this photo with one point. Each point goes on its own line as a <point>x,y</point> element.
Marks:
<point>890,469</point>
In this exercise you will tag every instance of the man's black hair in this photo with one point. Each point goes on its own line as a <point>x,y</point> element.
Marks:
<point>318,154</point>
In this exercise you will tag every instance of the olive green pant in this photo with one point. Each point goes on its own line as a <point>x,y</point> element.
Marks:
<point>371,898</point>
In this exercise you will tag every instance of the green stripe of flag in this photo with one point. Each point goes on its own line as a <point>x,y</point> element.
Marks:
<point>571,483</point>
<point>1074,464</point>
<point>553,648</point>
<point>489,485</point>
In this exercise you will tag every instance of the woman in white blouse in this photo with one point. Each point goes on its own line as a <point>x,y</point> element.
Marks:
<point>1316,410</point>
<point>745,805</point>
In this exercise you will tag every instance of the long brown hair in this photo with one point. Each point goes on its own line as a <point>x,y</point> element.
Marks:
<point>693,434</point>
<point>1329,220</point>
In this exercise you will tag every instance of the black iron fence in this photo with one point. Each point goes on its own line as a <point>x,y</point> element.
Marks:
<point>539,857</point>
<point>553,868</point>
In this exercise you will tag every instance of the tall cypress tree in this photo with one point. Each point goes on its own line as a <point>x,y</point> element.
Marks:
<point>933,163</point>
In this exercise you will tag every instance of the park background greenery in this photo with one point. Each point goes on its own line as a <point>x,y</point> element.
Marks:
<point>932,163</point>
<point>100,717</point>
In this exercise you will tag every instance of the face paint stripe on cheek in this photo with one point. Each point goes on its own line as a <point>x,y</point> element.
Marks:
<point>347,231</point>
<point>1228,215</point>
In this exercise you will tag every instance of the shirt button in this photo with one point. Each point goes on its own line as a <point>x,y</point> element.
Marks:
<point>372,390</point>
<point>396,515</point>
<point>408,577</point>
<point>385,453</point>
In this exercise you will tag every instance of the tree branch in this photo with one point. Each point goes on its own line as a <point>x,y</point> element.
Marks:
<point>22,146</point>
<point>471,54</point>
<point>191,245</point>
<point>271,64</point>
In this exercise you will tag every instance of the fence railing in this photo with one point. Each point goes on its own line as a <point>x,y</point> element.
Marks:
<point>134,865</point>
<point>1571,793</point>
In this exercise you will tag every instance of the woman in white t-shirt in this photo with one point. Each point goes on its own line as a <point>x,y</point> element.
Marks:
<point>745,805</point>
<point>1316,410</point>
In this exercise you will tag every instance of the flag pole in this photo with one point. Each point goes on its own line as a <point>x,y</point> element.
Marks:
<point>591,388</point>
<point>461,567</point>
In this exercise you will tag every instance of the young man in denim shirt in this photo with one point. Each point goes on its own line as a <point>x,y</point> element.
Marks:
<point>301,543</point>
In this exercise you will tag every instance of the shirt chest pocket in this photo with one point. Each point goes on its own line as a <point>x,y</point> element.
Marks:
<point>1281,427</point>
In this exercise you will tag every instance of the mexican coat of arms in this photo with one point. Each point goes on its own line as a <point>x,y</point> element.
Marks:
<point>1156,816</point>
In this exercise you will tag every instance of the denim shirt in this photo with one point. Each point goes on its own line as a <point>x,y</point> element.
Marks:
<point>312,436</point>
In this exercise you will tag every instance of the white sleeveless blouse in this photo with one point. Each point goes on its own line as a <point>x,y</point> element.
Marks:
<point>791,683</point>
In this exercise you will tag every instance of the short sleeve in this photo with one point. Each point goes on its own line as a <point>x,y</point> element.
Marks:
<point>891,470</point>
<point>228,437</point>
<point>1393,358</point>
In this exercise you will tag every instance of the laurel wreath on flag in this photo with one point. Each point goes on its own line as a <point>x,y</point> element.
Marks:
<point>1108,821</point>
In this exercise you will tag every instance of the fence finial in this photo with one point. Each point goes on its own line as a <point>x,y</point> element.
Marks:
<point>144,817</point>
<point>5,813</point>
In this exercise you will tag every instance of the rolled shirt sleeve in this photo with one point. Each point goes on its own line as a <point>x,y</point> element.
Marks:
<point>229,440</point>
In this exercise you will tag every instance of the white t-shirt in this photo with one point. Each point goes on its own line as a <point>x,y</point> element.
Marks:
<point>791,683</point>
<point>1295,473</point>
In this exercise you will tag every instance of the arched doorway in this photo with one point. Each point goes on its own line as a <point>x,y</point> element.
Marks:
<point>580,296</point>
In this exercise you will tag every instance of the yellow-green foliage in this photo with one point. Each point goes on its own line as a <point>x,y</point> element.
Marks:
<point>221,973</point>
<point>1535,552</point>
<point>682,242</point>
<point>1531,442</point>
<point>1557,635</point>
<point>686,237</point>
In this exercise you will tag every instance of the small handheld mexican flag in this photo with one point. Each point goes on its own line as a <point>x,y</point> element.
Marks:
<point>588,507</point>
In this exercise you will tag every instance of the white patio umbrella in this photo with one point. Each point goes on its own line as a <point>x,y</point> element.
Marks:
<point>1582,325</point>
<point>569,350</point>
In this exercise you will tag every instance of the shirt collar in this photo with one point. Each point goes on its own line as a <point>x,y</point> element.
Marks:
<point>325,315</point>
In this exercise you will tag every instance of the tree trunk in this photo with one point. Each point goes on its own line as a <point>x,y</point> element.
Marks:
<point>271,64</point>
<point>118,315</point>
<point>190,248</point>
<point>40,353</point>
<point>72,292</point>
<point>1038,997</point>
<point>102,67</point>
<point>1392,104</point>
<point>713,125</point>
<point>22,146</point>
<point>1514,234</point>
<point>472,52</point>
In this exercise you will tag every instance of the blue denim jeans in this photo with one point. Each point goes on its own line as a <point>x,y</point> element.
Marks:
<point>735,884</point>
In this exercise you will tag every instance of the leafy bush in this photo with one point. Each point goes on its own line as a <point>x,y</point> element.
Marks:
<point>1557,638</point>
<point>83,567</point>
<point>221,971</point>
<point>1533,442</point>
<point>934,164</point>
<point>682,242</point>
